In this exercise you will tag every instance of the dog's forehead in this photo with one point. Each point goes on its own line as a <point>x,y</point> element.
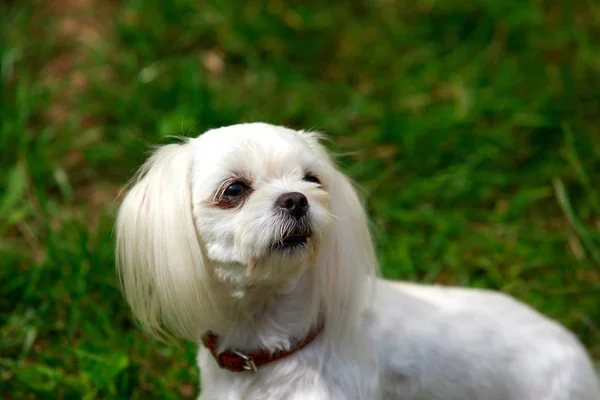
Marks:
<point>247,146</point>
<point>258,134</point>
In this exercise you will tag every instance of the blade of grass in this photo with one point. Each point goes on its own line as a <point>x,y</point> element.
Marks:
<point>578,226</point>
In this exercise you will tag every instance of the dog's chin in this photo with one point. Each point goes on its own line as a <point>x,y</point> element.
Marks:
<point>284,260</point>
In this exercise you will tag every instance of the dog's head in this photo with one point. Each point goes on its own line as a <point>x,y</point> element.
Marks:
<point>251,205</point>
<point>261,201</point>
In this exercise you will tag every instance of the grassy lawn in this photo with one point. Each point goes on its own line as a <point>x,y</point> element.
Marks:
<point>473,128</point>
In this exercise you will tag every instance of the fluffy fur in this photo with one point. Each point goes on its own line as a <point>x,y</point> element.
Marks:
<point>190,259</point>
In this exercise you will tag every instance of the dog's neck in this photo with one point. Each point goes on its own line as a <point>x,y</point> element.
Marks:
<point>271,317</point>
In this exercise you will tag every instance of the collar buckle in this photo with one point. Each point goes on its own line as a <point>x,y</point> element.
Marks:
<point>248,362</point>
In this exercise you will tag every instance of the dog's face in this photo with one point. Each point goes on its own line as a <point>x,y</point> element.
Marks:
<point>260,201</point>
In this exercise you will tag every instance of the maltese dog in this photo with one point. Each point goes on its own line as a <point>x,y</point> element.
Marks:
<point>250,242</point>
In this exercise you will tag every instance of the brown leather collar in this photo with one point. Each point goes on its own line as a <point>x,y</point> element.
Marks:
<point>236,361</point>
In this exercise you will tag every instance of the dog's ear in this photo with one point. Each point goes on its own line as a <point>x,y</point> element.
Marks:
<point>159,260</point>
<point>347,259</point>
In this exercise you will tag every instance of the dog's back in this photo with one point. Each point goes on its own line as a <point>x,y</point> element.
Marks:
<point>456,344</point>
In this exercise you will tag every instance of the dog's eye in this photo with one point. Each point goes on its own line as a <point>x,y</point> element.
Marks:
<point>311,178</point>
<point>234,190</point>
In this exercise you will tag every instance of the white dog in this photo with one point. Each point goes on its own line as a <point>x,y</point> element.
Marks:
<point>249,241</point>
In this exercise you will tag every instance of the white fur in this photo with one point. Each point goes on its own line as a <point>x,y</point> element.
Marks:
<point>184,267</point>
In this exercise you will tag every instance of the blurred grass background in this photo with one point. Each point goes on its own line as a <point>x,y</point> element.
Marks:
<point>472,125</point>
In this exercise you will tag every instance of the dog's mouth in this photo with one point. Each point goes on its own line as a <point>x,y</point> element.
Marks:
<point>295,241</point>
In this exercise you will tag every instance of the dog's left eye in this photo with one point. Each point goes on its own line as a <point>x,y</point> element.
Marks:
<point>312,178</point>
<point>235,190</point>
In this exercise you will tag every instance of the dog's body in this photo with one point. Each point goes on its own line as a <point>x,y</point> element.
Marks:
<point>421,342</point>
<point>251,232</point>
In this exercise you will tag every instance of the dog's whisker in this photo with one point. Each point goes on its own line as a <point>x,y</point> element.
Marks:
<point>335,217</point>
<point>251,266</point>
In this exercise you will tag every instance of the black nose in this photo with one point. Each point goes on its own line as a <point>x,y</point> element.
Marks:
<point>293,203</point>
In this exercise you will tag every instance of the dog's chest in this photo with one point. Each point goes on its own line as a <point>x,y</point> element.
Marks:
<point>299,377</point>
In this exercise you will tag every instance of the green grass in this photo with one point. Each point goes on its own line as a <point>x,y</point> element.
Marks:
<point>472,126</point>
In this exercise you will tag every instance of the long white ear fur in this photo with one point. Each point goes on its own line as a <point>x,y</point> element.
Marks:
<point>349,260</point>
<point>159,260</point>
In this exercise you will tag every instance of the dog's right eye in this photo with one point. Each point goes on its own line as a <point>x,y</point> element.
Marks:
<point>232,194</point>
<point>235,190</point>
